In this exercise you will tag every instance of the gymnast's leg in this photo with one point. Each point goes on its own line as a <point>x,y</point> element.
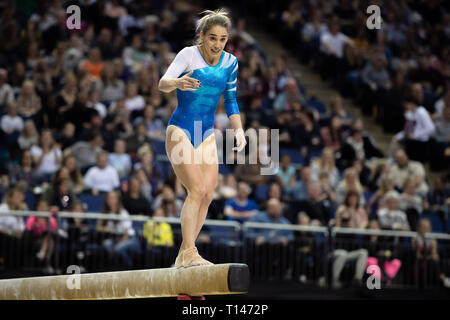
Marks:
<point>191,176</point>
<point>210,170</point>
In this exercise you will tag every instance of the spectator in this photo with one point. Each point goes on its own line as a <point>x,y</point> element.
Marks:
<point>154,126</point>
<point>351,209</point>
<point>438,198</point>
<point>25,174</point>
<point>120,236</point>
<point>427,256</point>
<point>376,81</point>
<point>135,57</point>
<point>133,100</point>
<point>59,194</point>
<point>410,202</point>
<point>315,206</point>
<point>133,200</point>
<point>147,189</point>
<point>167,201</point>
<point>383,254</point>
<point>441,104</point>
<point>120,160</point>
<point>85,152</point>
<point>29,136</point>
<point>137,139</point>
<point>332,45</point>
<point>358,147</point>
<point>342,254</point>
<point>28,102</point>
<point>377,199</point>
<point>241,208</point>
<point>47,155</point>
<point>272,215</point>
<point>349,183</point>
<point>67,137</point>
<point>76,178</point>
<point>286,172</point>
<point>145,162</point>
<point>42,230</point>
<point>300,189</point>
<point>226,187</point>
<point>110,86</point>
<point>158,233</point>
<point>93,64</point>
<point>440,147</point>
<point>392,217</point>
<point>6,91</point>
<point>290,94</point>
<point>404,168</point>
<point>338,110</point>
<point>11,123</point>
<point>326,163</point>
<point>102,177</point>
<point>94,103</point>
<point>11,227</point>
<point>417,131</point>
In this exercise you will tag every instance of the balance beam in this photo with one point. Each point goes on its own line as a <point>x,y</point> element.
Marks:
<point>217,279</point>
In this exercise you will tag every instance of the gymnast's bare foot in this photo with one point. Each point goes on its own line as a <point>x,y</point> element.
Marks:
<point>190,258</point>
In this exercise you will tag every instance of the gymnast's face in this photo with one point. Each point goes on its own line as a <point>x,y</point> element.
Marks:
<point>214,41</point>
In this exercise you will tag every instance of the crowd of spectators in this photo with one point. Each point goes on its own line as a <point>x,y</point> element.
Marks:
<point>83,123</point>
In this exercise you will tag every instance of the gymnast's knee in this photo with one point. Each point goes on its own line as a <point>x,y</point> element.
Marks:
<point>208,197</point>
<point>197,193</point>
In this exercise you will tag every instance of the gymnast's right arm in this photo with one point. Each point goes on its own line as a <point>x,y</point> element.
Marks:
<point>170,80</point>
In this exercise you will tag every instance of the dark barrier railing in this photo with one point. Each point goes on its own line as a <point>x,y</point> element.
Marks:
<point>313,255</point>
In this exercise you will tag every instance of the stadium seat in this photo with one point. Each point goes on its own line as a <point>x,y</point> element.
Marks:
<point>224,169</point>
<point>93,203</point>
<point>261,192</point>
<point>316,104</point>
<point>30,200</point>
<point>436,222</point>
<point>296,156</point>
<point>159,146</point>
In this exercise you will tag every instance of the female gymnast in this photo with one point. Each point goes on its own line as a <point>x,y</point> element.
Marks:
<point>201,74</point>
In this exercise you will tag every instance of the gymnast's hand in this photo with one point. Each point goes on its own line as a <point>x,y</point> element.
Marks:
<point>186,83</point>
<point>240,140</point>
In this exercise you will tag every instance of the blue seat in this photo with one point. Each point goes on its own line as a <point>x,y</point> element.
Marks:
<point>296,156</point>
<point>159,147</point>
<point>436,222</point>
<point>30,200</point>
<point>94,203</point>
<point>224,169</point>
<point>316,104</point>
<point>261,192</point>
<point>447,226</point>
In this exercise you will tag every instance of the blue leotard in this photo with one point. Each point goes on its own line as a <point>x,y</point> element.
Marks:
<point>195,111</point>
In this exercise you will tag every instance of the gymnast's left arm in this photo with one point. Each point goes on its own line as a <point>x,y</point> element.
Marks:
<point>232,108</point>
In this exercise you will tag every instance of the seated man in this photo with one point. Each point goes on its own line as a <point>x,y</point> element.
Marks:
<point>392,217</point>
<point>240,208</point>
<point>102,177</point>
<point>273,214</point>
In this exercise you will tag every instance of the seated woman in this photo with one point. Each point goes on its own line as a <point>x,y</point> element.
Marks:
<point>351,205</point>
<point>158,236</point>
<point>119,237</point>
<point>41,229</point>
